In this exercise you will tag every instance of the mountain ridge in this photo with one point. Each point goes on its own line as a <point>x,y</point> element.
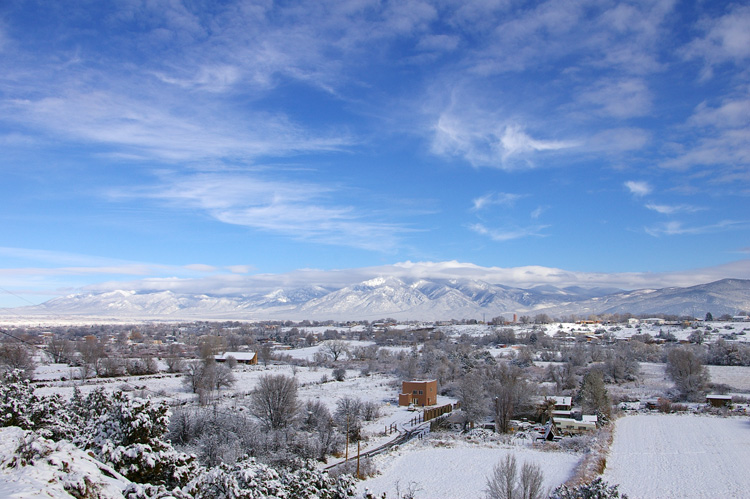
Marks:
<point>417,299</point>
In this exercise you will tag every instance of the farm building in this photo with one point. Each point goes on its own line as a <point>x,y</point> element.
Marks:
<point>418,393</point>
<point>250,358</point>
<point>719,400</point>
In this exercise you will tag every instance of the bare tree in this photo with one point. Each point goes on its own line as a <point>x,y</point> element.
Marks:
<point>193,378</point>
<point>502,483</point>
<point>531,481</point>
<point>274,401</point>
<point>206,377</point>
<point>334,349</point>
<point>265,353</point>
<point>17,356</point>
<point>317,419</point>
<point>620,365</point>
<point>111,366</point>
<point>687,371</point>
<point>506,482</point>
<point>60,349</point>
<point>175,364</point>
<point>472,396</point>
<point>508,390</point>
<point>349,415</point>
<point>91,351</point>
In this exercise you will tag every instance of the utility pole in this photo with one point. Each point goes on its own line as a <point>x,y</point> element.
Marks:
<point>358,477</point>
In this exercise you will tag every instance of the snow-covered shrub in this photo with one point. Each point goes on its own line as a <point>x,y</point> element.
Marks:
<point>130,434</point>
<point>245,479</point>
<point>148,491</point>
<point>597,489</point>
<point>21,407</point>
<point>16,396</point>
<point>339,374</point>
<point>248,479</point>
<point>307,482</point>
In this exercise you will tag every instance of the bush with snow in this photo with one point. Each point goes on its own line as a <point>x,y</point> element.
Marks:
<point>597,489</point>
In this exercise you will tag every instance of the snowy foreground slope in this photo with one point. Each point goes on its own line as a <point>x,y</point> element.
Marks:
<point>680,456</point>
<point>63,470</point>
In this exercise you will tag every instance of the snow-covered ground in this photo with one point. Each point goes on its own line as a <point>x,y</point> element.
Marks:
<point>455,469</point>
<point>680,456</point>
<point>57,466</point>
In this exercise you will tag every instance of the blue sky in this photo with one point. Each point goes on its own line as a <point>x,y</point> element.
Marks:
<point>226,146</point>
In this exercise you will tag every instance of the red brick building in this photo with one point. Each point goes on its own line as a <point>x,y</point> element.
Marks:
<point>418,393</point>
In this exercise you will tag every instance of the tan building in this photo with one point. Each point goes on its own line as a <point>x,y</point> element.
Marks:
<point>418,393</point>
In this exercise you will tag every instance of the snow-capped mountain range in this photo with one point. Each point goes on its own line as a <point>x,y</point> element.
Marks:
<point>419,299</point>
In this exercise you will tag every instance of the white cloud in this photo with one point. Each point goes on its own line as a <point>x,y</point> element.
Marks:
<point>524,277</point>
<point>201,267</point>
<point>621,36</point>
<point>624,98</point>
<point>618,140</point>
<point>515,140</point>
<point>679,229</point>
<point>508,234</point>
<point>666,209</point>
<point>495,198</point>
<point>726,39</point>
<point>638,188</point>
<point>240,269</point>
<point>153,130</point>
<point>732,113</point>
<point>482,141</point>
<point>538,212</point>
<point>303,211</point>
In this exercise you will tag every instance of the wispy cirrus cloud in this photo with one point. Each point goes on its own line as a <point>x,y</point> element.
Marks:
<point>676,228</point>
<point>508,234</point>
<point>304,211</point>
<point>481,141</point>
<point>154,131</point>
<point>666,209</point>
<point>495,198</point>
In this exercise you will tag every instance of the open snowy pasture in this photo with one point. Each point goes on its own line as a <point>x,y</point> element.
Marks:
<point>680,456</point>
<point>456,469</point>
<point>654,379</point>
<point>737,377</point>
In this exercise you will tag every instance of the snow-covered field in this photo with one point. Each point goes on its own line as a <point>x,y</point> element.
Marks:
<point>456,469</point>
<point>680,456</point>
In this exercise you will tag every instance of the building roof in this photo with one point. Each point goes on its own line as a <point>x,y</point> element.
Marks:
<point>239,356</point>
